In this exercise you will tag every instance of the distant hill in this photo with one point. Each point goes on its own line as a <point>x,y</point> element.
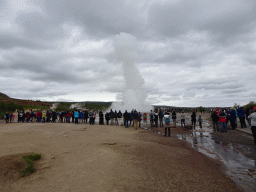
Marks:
<point>3,96</point>
<point>6,99</point>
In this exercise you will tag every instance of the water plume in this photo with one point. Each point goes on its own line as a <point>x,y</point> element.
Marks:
<point>134,95</point>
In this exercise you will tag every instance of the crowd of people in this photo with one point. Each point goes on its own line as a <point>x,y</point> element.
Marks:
<point>156,118</point>
<point>231,115</point>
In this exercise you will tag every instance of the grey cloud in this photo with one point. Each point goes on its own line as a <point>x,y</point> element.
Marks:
<point>42,92</point>
<point>8,41</point>
<point>188,94</point>
<point>39,26</point>
<point>97,17</point>
<point>230,91</point>
<point>225,19</point>
<point>170,98</point>
<point>215,86</point>
<point>53,67</point>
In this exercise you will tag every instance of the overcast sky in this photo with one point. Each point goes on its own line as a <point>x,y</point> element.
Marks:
<point>190,52</point>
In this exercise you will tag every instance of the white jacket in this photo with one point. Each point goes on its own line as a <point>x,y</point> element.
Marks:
<point>253,119</point>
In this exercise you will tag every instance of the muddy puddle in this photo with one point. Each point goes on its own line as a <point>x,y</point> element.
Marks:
<point>240,168</point>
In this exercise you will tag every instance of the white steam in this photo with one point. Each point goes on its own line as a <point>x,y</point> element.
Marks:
<point>133,96</point>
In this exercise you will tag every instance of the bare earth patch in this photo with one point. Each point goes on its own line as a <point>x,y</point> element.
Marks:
<point>10,167</point>
<point>106,158</point>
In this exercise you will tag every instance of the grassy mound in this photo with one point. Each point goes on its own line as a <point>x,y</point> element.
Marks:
<point>29,159</point>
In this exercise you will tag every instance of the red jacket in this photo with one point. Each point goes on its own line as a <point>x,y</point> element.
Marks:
<point>39,114</point>
<point>222,117</point>
<point>69,114</point>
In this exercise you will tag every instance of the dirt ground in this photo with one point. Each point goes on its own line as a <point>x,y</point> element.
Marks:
<point>105,158</point>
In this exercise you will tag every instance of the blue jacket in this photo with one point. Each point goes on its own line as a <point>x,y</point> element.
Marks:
<point>81,115</point>
<point>140,115</point>
<point>232,114</point>
<point>241,113</point>
<point>76,114</point>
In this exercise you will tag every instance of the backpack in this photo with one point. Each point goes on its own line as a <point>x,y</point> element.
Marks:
<point>144,116</point>
<point>167,120</point>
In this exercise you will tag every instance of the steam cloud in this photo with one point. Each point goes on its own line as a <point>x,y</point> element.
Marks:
<point>133,96</point>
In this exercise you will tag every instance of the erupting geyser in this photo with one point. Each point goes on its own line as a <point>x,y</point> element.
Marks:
<point>133,96</point>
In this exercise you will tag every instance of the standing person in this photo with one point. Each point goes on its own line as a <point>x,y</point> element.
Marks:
<point>119,115</point>
<point>126,118</point>
<point>156,119</point>
<point>13,116</point>
<point>222,119</point>
<point>140,118</point>
<point>135,120</point>
<point>7,117</point>
<point>193,119</point>
<point>232,118</point>
<point>91,117</point>
<point>54,116</point>
<point>39,116</point>
<point>10,117</point>
<point>43,116</point>
<point>161,115</point>
<point>48,116</point>
<point>215,120</point>
<point>167,122</point>
<point>200,121</point>
<point>241,115</point>
<point>94,116</point>
<point>145,118</point>
<point>76,116</point>
<point>19,116</point>
<point>131,117</point>
<point>32,115</point>
<point>69,114</point>
<point>111,116</point>
<point>81,117</point>
<point>28,117</point>
<point>252,117</point>
<point>115,116</point>
<point>62,116</point>
<point>24,115</point>
<point>182,121</point>
<point>101,116</point>
<point>174,117</point>
<point>86,116</point>
<point>107,117</point>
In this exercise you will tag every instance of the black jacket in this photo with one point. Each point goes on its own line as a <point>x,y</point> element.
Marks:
<point>214,116</point>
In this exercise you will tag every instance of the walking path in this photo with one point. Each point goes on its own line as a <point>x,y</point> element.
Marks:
<point>246,130</point>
